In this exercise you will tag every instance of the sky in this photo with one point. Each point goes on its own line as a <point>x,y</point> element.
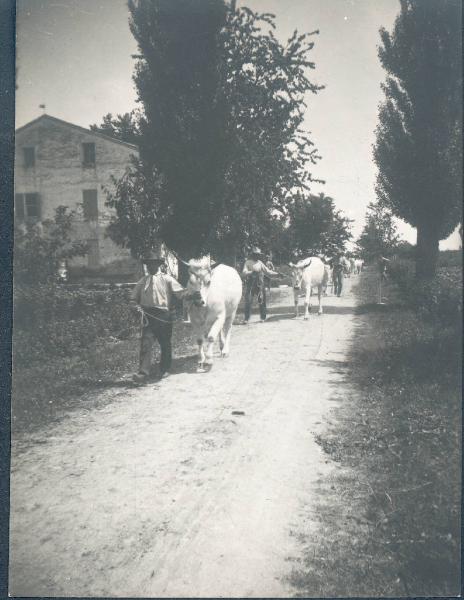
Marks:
<point>74,56</point>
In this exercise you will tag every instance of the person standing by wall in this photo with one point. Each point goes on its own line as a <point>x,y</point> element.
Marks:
<point>254,271</point>
<point>152,296</point>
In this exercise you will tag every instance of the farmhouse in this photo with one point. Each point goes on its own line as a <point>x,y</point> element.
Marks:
<point>59,163</point>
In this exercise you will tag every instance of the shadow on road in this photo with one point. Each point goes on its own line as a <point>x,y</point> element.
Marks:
<point>288,312</point>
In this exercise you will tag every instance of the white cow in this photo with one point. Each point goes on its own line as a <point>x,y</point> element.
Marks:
<point>214,298</point>
<point>306,274</point>
<point>358,265</point>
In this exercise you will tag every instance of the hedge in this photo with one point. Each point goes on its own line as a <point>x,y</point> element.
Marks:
<point>439,298</point>
<point>52,320</point>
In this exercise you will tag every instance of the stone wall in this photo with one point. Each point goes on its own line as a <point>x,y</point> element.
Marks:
<point>60,177</point>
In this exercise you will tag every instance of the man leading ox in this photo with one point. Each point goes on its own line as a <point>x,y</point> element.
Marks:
<point>254,271</point>
<point>152,297</point>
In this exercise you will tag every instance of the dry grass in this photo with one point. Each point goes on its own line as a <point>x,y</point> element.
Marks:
<point>389,522</point>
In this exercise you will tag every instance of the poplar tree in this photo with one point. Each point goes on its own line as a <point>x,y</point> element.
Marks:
<point>418,149</point>
<point>220,128</point>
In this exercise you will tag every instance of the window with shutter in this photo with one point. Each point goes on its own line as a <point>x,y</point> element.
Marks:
<point>19,207</point>
<point>88,154</point>
<point>90,205</point>
<point>32,206</point>
<point>29,156</point>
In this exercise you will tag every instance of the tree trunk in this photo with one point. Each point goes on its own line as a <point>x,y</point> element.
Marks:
<point>427,251</point>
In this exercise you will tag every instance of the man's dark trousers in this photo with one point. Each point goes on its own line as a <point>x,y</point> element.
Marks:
<point>254,289</point>
<point>338,281</point>
<point>157,326</point>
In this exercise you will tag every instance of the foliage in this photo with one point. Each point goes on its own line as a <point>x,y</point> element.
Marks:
<point>139,213</point>
<point>39,248</point>
<point>53,320</point>
<point>68,342</point>
<point>221,144</point>
<point>438,299</point>
<point>379,236</point>
<point>450,258</point>
<point>269,153</point>
<point>122,127</point>
<point>419,145</point>
<point>315,227</point>
<point>182,127</point>
<point>404,249</point>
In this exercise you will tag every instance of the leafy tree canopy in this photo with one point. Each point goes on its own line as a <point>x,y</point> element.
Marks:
<point>315,227</point>
<point>122,127</point>
<point>419,144</point>
<point>379,236</point>
<point>222,147</point>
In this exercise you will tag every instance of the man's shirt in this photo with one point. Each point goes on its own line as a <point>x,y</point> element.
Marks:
<point>257,266</point>
<point>156,291</point>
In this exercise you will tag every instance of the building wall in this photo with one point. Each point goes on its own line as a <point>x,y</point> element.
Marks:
<point>60,177</point>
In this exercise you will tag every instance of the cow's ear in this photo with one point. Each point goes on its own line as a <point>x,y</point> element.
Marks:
<point>290,264</point>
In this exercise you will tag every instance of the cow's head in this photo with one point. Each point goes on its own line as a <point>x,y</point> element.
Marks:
<point>297,276</point>
<point>199,280</point>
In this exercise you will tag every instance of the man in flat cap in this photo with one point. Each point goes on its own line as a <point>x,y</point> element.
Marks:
<point>152,296</point>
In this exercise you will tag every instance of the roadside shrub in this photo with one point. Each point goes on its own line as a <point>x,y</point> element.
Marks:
<point>50,320</point>
<point>450,258</point>
<point>439,299</point>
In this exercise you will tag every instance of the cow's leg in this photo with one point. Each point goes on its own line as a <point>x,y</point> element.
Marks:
<point>225,334</point>
<point>307,301</point>
<point>319,297</point>
<point>201,355</point>
<point>212,336</point>
<point>222,341</point>
<point>295,299</point>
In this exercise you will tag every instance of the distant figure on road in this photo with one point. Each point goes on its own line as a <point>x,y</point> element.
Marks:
<point>338,267</point>
<point>253,274</point>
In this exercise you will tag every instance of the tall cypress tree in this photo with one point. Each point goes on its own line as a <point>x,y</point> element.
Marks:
<point>419,137</point>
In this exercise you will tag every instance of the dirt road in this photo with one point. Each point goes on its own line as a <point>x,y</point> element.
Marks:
<point>163,491</point>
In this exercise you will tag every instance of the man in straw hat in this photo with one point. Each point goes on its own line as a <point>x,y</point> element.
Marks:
<point>254,271</point>
<point>152,296</point>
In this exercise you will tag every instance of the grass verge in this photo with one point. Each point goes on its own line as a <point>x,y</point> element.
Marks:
<point>45,390</point>
<point>388,523</point>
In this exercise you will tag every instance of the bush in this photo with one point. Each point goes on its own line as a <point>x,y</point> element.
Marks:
<point>450,258</point>
<point>40,247</point>
<point>50,320</point>
<point>439,299</point>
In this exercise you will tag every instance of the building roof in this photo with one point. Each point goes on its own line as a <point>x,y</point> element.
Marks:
<point>67,124</point>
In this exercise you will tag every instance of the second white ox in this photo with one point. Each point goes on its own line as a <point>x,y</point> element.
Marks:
<point>306,274</point>
<point>215,295</point>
